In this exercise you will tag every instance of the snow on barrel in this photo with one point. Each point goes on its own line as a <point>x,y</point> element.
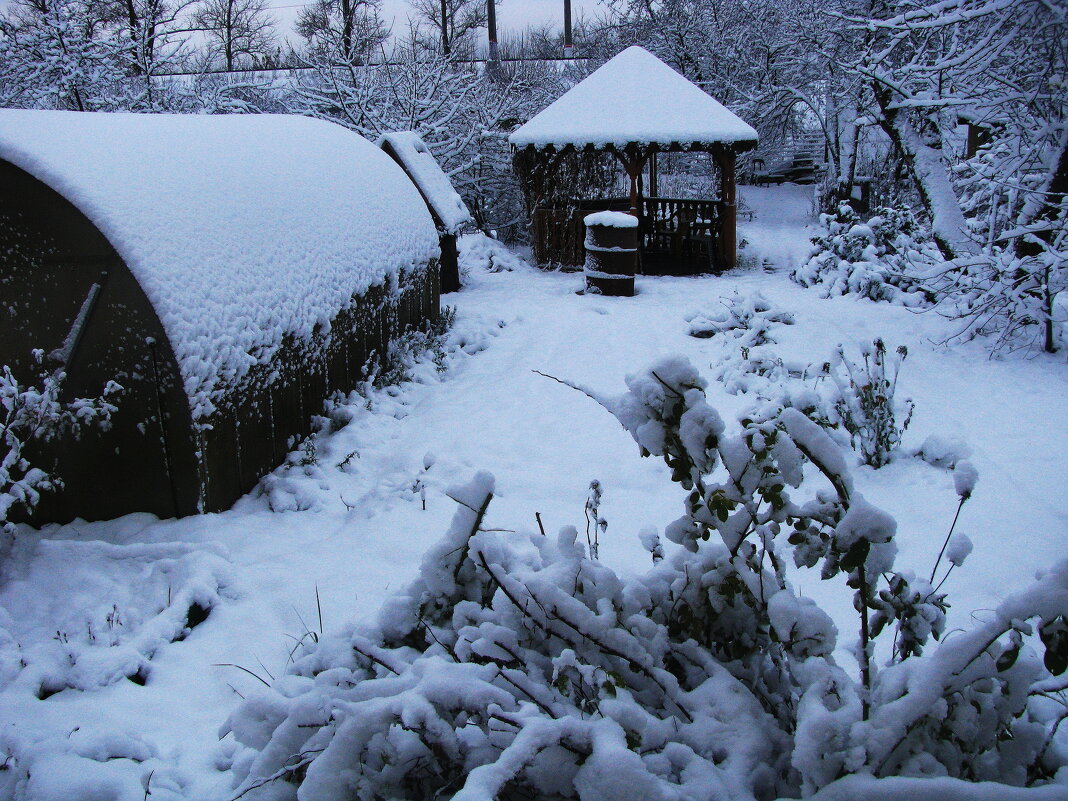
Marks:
<point>611,253</point>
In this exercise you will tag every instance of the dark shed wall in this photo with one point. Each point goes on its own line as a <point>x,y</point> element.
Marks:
<point>51,257</point>
<point>255,428</point>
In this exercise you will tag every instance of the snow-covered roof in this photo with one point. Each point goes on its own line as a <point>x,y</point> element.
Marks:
<point>431,180</point>
<point>239,228</point>
<point>634,97</point>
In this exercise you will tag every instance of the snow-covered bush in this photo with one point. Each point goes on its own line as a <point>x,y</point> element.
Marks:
<point>108,619</point>
<point>864,400</point>
<point>408,349</point>
<point>743,328</point>
<point>853,402</point>
<point>1009,298</point>
<point>765,375</point>
<point>839,394</point>
<point>747,318</point>
<point>481,253</point>
<point>515,666</point>
<point>81,616</point>
<point>36,413</point>
<point>883,258</point>
<point>942,452</point>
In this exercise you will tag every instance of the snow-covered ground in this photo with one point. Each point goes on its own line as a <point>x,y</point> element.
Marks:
<point>355,528</point>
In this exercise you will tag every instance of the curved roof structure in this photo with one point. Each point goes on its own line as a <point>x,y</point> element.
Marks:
<point>241,229</point>
<point>431,180</point>
<point>634,98</point>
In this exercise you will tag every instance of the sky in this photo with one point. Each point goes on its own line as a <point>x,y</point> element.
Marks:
<point>512,15</point>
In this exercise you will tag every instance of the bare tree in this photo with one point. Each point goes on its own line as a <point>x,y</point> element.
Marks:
<point>342,31</point>
<point>156,33</point>
<point>237,31</point>
<point>454,36</point>
<point>57,54</point>
<point>461,111</point>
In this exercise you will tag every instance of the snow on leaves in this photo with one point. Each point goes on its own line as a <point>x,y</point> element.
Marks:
<point>35,413</point>
<point>883,258</point>
<point>517,666</point>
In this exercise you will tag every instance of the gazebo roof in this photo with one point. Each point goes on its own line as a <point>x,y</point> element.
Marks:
<point>635,99</point>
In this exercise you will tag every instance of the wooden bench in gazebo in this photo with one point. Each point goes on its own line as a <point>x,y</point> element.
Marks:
<point>635,107</point>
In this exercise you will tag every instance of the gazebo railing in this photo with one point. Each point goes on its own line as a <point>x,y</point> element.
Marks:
<point>678,236</point>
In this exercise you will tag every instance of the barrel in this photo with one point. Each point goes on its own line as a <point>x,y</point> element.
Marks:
<point>611,253</point>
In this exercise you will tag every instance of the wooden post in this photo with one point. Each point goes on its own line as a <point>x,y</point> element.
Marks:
<point>569,45</point>
<point>632,173</point>
<point>491,26</point>
<point>654,176</point>
<point>729,195</point>
<point>633,163</point>
<point>445,48</point>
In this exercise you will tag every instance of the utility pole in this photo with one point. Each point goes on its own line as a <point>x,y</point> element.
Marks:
<point>491,24</point>
<point>445,29</point>
<point>569,45</point>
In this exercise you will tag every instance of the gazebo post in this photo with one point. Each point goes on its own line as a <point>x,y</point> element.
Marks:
<point>729,195</point>
<point>632,170</point>
<point>632,162</point>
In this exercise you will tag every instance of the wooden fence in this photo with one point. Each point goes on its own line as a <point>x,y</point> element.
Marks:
<point>677,236</point>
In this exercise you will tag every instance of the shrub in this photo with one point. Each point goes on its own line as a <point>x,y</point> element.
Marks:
<point>865,404</point>
<point>858,398</point>
<point>36,413</point>
<point>481,253</point>
<point>748,319</point>
<point>884,258</point>
<point>1016,302</point>
<point>406,350</point>
<point>517,667</point>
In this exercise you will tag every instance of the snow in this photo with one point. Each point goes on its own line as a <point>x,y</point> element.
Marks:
<point>480,253</point>
<point>633,97</point>
<point>903,788</point>
<point>942,452</point>
<point>430,179</point>
<point>193,204</point>
<point>960,546</point>
<point>964,477</point>
<point>1060,318</point>
<point>367,533</point>
<point>611,219</point>
<point>801,624</point>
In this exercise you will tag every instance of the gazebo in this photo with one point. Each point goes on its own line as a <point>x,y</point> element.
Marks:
<point>634,107</point>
